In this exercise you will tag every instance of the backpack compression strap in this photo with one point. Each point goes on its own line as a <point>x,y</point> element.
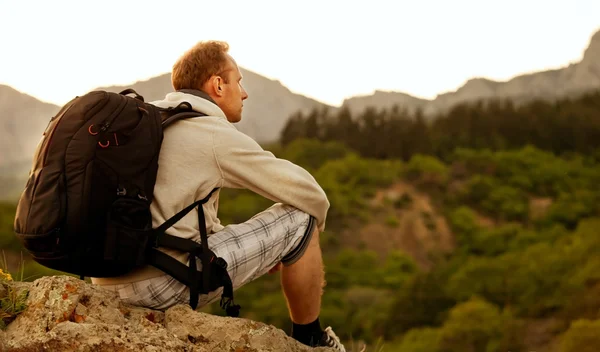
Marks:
<point>189,275</point>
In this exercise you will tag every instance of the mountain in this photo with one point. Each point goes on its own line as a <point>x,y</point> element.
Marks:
<point>265,112</point>
<point>383,99</point>
<point>22,121</point>
<point>571,80</point>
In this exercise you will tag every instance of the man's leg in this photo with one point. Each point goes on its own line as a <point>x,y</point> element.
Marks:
<point>303,283</point>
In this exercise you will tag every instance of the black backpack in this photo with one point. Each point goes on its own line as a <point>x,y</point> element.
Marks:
<point>85,209</point>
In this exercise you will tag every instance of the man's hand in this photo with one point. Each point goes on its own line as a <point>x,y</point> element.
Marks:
<point>275,269</point>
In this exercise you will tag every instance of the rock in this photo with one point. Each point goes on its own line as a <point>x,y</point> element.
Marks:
<point>224,333</point>
<point>2,339</point>
<point>67,314</point>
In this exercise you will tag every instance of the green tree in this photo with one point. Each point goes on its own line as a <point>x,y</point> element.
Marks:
<point>293,129</point>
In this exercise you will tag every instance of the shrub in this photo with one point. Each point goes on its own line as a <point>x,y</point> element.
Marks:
<point>312,153</point>
<point>582,336</point>
<point>12,300</point>
<point>392,221</point>
<point>397,270</point>
<point>427,171</point>
<point>571,207</point>
<point>463,222</point>
<point>475,325</point>
<point>507,203</point>
<point>419,340</point>
<point>478,189</point>
<point>422,301</point>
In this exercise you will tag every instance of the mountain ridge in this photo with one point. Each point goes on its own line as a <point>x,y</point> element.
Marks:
<point>571,79</point>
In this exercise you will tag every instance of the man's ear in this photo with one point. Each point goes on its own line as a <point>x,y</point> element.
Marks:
<point>217,85</point>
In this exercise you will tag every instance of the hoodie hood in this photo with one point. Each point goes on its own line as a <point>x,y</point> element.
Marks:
<point>199,101</point>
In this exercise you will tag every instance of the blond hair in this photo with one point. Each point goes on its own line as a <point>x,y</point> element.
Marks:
<point>199,63</point>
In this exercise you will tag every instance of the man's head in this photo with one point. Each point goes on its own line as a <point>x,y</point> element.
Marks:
<point>208,67</point>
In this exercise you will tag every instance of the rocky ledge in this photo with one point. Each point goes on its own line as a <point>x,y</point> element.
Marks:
<point>66,314</point>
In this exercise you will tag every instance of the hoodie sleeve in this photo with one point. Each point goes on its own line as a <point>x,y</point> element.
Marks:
<point>245,164</point>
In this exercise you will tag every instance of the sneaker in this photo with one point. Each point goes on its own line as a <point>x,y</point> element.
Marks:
<point>330,339</point>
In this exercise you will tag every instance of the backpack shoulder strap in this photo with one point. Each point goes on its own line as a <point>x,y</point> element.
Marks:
<point>188,275</point>
<point>182,115</point>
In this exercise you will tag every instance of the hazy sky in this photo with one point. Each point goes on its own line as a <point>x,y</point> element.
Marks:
<point>327,50</point>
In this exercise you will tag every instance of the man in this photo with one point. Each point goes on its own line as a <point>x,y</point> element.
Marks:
<point>204,153</point>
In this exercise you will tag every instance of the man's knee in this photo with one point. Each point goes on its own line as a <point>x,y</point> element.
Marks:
<point>309,241</point>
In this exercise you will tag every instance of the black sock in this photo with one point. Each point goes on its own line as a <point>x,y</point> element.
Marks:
<point>308,334</point>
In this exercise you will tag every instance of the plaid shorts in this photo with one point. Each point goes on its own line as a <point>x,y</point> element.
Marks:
<point>279,234</point>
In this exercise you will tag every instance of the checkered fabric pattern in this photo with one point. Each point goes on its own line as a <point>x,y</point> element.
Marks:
<point>251,249</point>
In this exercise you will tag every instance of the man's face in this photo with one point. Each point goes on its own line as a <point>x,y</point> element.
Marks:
<point>233,94</point>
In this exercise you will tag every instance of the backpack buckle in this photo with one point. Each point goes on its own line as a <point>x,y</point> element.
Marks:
<point>121,191</point>
<point>221,262</point>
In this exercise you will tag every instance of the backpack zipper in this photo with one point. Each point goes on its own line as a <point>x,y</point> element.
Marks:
<point>106,123</point>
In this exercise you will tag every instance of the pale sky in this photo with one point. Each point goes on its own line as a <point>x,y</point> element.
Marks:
<point>326,50</point>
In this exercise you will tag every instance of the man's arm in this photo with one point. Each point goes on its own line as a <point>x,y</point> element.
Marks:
<point>244,164</point>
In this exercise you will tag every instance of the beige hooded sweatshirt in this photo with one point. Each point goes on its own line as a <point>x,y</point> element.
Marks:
<point>203,153</point>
